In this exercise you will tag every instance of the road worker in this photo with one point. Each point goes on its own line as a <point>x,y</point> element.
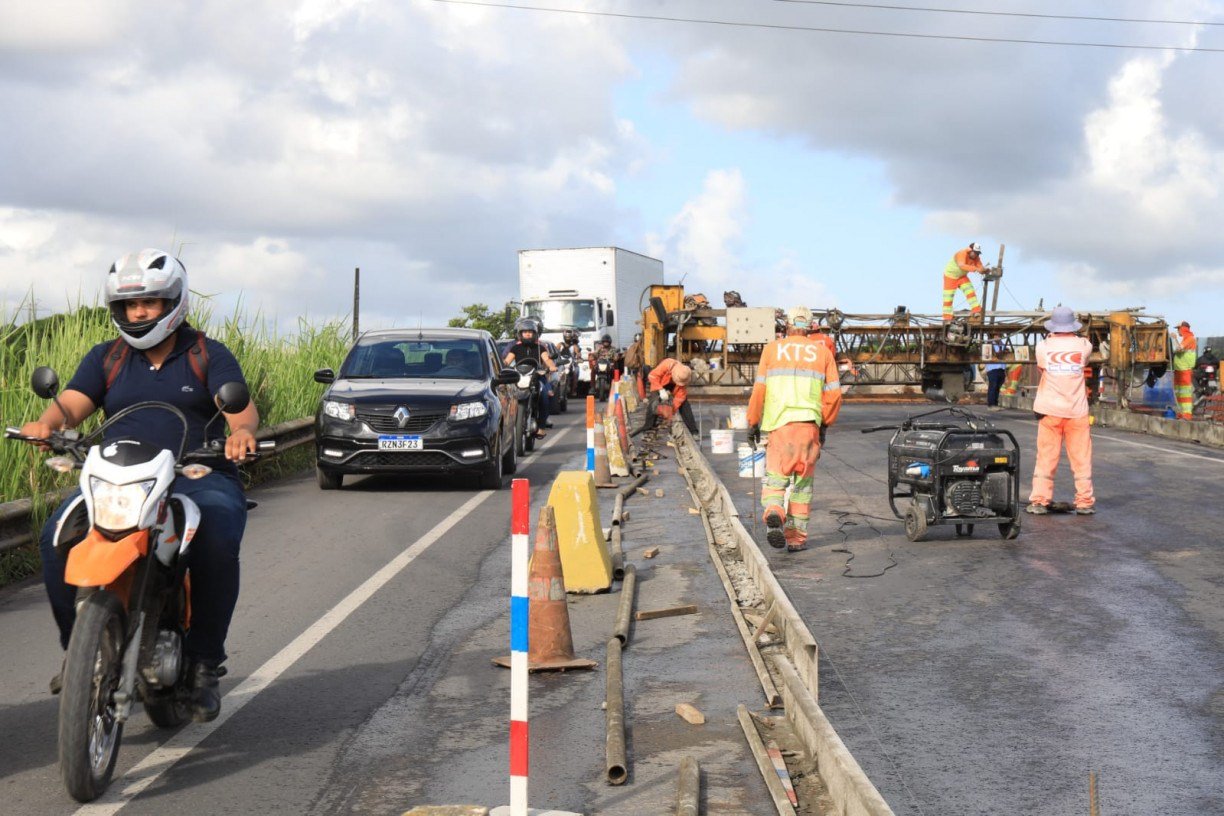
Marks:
<point>1185,358</point>
<point>796,397</point>
<point>956,276</point>
<point>819,335</point>
<point>1061,406</point>
<point>668,384</point>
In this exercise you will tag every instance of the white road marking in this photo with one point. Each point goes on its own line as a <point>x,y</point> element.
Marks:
<point>1097,435</point>
<point>147,771</point>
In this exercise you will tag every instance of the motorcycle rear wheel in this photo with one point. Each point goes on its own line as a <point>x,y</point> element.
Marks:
<point>89,734</point>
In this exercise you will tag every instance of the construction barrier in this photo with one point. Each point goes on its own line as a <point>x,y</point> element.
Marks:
<point>590,433</point>
<point>585,559</point>
<point>618,465</point>
<point>603,472</point>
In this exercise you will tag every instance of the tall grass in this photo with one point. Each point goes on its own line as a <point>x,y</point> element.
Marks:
<point>278,369</point>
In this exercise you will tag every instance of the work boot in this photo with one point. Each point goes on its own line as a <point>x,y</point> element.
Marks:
<point>1085,511</point>
<point>795,540</point>
<point>205,690</point>
<point>773,528</point>
<point>1037,509</point>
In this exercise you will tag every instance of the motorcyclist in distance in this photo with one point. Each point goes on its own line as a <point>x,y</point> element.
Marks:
<point>528,347</point>
<point>160,357</point>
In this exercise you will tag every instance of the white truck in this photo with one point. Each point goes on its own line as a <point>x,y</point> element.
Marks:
<point>596,290</point>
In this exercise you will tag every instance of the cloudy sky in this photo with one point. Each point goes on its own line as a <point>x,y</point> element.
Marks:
<point>276,145</point>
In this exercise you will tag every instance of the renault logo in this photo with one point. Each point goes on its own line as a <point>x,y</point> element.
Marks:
<point>401,416</point>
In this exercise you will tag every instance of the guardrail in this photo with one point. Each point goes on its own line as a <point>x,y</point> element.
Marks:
<point>15,515</point>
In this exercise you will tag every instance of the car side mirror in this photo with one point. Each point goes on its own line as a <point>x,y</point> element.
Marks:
<point>233,397</point>
<point>325,376</point>
<point>608,316</point>
<point>45,382</point>
<point>507,376</point>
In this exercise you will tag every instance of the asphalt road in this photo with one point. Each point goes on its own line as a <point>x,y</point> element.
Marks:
<point>360,673</point>
<point>982,676</point>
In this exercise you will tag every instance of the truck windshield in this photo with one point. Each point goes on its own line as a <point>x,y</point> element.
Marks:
<point>562,314</point>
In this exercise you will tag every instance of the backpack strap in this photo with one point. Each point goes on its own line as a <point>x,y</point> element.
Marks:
<point>112,363</point>
<point>197,357</point>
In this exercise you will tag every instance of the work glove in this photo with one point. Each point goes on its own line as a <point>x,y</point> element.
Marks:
<point>754,435</point>
<point>824,429</point>
<point>664,395</point>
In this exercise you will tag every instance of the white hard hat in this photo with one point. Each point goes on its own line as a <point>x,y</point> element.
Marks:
<point>799,316</point>
<point>975,247</point>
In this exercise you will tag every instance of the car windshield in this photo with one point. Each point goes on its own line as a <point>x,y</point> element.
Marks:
<point>457,359</point>
<point>562,314</point>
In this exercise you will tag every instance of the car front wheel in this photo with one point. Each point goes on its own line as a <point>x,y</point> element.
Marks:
<point>328,479</point>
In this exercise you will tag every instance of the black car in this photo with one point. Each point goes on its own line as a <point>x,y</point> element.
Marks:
<point>417,401</point>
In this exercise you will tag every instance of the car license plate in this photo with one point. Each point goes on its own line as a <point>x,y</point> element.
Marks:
<point>398,442</point>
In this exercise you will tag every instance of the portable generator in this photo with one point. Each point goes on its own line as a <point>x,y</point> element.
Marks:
<point>956,469</point>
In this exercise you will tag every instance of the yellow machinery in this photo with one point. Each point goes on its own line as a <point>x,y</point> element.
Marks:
<point>901,349</point>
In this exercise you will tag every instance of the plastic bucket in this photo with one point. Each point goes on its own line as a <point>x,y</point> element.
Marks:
<point>721,441</point>
<point>739,417</point>
<point>751,462</point>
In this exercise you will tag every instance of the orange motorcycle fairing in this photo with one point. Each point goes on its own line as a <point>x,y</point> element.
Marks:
<point>98,561</point>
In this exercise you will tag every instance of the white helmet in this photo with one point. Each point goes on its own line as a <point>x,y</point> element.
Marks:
<point>975,247</point>
<point>149,273</point>
<point>800,317</point>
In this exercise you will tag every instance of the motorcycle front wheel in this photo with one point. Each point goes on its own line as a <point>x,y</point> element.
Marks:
<point>89,733</point>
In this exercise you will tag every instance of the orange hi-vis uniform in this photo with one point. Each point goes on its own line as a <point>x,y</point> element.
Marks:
<point>661,377</point>
<point>1185,358</point>
<point>1011,383</point>
<point>820,336</point>
<point>956,276</point>
<point>797,391</point>
<point>1062,400</point>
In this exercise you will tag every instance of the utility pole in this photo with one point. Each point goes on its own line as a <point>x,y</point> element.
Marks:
<point>356,302</point>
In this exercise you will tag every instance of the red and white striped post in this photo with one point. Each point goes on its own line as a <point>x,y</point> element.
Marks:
<point>520,530</point>
<point>590,429</point>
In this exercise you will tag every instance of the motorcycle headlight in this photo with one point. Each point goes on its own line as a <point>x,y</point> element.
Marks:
<point>468,410</point>
<point>339,410</point>
<point>117,507</point>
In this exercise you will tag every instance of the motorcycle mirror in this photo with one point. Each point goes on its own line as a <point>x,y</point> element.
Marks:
<point>507,376</point>
<point>45,382</point>
<point>233,397</point>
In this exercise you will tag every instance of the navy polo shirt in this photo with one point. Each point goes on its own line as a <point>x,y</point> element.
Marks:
<point>175,382</point>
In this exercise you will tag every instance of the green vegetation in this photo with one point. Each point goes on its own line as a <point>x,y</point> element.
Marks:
<point>478,316</point>
<point>279,370</point>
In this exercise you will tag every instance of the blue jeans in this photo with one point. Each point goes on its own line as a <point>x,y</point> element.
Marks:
<point>994,381</point>
<point>545,398</point>
<point>212,559</point>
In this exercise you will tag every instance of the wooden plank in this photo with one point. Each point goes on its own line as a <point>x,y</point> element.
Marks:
<point>669,612</point>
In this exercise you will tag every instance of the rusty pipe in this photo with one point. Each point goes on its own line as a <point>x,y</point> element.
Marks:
<point>615,765</point>
<point>688,788</point>
<point>624,613</point>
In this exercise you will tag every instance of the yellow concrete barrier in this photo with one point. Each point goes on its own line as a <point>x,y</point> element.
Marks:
<point>585,559</point>
<point>616,455</point>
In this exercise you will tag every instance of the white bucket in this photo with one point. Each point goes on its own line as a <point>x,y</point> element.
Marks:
<point>721,441</point>
<point>739,417</point>
<point>751,462</point>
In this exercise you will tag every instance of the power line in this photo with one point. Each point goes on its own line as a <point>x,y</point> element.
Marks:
<point>829,30</point>
<point>1030,15</point>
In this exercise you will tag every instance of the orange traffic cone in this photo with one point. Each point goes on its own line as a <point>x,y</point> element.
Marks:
<point>603,473</point>
<point>622,430</point>
<point>550,645</point>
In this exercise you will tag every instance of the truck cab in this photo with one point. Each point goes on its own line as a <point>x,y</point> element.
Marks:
<point>562,309</point>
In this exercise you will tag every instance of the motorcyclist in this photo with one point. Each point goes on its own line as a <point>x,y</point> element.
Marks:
<point>528,347</point>
<point>159,358</point>
<point>1206,360</point>
<point>603,352</point>
<point>569,340</point>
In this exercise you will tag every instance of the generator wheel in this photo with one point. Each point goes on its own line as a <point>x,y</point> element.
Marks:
<point>964,529</point>
<point>915,522</point>
<point>1009,529</point>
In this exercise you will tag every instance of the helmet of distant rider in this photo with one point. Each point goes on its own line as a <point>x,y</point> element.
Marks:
<point>149,273</point>
<point>606,339</point>
<point>524,325</point>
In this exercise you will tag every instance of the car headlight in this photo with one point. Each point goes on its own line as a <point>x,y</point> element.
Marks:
<point>468,410</point>
<point>340,410</point>
<point>117,507</point>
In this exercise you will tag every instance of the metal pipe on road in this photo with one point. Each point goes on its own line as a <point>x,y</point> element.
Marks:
<point>616,767</point>
<point>618,554</point>
<point>624,613</point>
<point>688,788</point>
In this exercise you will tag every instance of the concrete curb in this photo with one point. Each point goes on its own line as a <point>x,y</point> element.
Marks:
<point>845,779</point>
<point>1203,433</point>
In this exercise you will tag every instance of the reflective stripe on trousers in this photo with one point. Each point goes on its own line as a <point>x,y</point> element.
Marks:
<point>790,461</point>
<point>950,285</point>
<point>1183,393</point>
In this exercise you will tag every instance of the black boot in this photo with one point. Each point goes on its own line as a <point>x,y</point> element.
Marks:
<point>205,691</point>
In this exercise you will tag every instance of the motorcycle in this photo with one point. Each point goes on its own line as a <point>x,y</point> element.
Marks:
<point>528,395</point>
<point>603,379</point>
<point>560,382</point>
<point>124,540</point>
<point>1206,381</point>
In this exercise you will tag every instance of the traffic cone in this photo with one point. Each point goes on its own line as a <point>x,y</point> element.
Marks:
<point>622,431</point>
<point>550,645</point>
<point>603,474</point>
